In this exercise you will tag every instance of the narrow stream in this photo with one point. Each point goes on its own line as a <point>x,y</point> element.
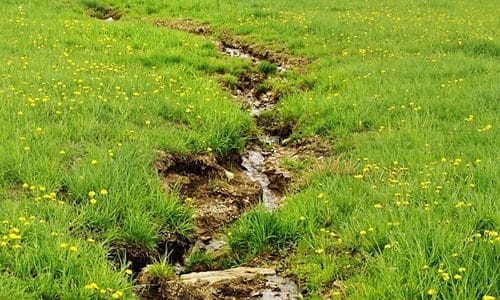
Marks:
<point>253,158</point>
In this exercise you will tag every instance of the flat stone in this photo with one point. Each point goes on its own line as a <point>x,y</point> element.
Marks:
<point>213,277</point>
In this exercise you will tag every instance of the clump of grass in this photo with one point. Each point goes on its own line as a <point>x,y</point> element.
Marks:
<point>267,68</point>
<point>260,231</point>
<point>199,260</point>
<point>161,270</point>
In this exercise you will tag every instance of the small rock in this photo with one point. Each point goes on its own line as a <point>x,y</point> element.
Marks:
<point>229,175</point>
<point>213,277</point>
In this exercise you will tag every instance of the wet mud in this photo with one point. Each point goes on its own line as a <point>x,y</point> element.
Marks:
<point>218,190</point>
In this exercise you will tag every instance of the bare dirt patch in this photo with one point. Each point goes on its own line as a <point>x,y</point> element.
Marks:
<point>188,25</point>
<point>105,12</point>
<point>217,189</point>
<point>261,52</point>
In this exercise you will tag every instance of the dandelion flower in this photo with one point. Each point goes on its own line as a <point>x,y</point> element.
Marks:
<point>103,192</point>
<point>319,251</point>
<point>14,236</point>
<point>445,276</point>
<point>432,292</point>
<point>91,286</point>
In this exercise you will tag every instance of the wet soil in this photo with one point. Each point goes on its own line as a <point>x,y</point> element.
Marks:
<point>217,189</point>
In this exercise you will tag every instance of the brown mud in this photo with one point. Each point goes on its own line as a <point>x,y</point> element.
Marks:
<point>107,13</point>
<point>217,189</point>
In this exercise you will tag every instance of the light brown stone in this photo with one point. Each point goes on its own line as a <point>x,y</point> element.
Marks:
<point>213,277</point>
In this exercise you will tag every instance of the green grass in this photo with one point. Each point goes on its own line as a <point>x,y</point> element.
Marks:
<point>408,91</point>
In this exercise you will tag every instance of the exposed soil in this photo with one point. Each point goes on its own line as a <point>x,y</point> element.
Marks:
<point>217,189</point>
<point>172,248</point>
<point>105,12</point>
<point>188,25</point>
<point>281,58</point>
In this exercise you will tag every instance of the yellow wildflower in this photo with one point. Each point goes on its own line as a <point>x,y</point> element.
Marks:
<point>92,286</point>
<point>432,292</point>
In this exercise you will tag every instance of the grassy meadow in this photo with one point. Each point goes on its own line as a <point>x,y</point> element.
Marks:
<point>406,207</point>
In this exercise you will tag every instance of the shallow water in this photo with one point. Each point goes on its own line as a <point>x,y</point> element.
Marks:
<point>253,161</point>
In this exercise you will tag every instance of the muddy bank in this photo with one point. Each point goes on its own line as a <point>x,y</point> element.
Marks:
<point>217,188</point>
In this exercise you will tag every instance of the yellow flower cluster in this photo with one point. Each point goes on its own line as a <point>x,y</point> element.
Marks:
<point>11,232</point>
<point>94,287</point>
<point>92,195</point>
